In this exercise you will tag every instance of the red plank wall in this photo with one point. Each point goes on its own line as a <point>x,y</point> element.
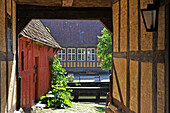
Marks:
<point>32,50</point>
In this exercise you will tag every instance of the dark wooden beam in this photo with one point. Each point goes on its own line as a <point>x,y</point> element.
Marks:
<point>26,13</point>
<point>40,2</point>
<point>157,56</point>
<point>75,3</point>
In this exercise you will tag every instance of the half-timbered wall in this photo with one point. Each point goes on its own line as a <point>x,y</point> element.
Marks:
<point>139,58</point>
<point>7,56</point>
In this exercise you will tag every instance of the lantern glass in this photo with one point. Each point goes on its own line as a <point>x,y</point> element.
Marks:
<point>150,18</point>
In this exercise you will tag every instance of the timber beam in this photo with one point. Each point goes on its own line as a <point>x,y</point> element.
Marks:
<point>26,12</point>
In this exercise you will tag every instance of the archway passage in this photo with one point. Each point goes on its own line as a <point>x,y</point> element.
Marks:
<point>26,12</point>
<point>78,39</point>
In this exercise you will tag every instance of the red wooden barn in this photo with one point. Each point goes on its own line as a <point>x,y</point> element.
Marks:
<point>36,44</point>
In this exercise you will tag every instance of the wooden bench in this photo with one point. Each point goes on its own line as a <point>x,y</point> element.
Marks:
<point>76,91</point>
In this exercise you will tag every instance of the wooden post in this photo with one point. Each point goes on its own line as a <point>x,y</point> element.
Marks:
<point>98,95</point>
<point>111,87</point>
<point>76,96</point>
<point>79,77</point>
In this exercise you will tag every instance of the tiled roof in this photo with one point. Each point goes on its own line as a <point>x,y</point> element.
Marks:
<point>36,31</point>
<point>74,31</point>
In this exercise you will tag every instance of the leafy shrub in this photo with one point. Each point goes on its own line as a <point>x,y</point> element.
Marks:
<point>104,50</point>
<point>70,78</point>
<point>60,95</point>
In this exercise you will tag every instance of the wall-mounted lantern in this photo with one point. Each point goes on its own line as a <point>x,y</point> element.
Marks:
<point>150,17</point>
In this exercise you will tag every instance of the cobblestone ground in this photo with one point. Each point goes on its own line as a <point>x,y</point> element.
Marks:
<point>76,108</point>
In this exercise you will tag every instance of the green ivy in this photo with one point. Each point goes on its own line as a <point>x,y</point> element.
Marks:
<point>60,95</point>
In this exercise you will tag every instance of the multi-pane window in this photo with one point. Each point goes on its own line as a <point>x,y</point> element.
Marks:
<point>62,54</point>
<point>91,54</point>
<point>71,54</point>
<point>81,54</point>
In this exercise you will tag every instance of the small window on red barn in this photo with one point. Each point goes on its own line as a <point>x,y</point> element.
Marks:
<point>22,60</point>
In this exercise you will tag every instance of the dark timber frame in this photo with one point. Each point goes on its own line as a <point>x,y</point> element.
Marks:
<point>25,13</point>
<point>167,9</point>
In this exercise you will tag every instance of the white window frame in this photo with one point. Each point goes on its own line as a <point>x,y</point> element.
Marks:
<point>71,54</point>
<point>62,53</point>
<point>81,54</point>
<point>91,54</point>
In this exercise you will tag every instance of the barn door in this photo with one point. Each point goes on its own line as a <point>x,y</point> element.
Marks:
<point>36,78</point>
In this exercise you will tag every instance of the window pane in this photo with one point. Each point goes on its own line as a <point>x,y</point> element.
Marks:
<point>83,51</point>
<point>93,57</point>
<point>64,50</point>
<point>88,51</point>
<point>63,57</point>
<point>59,51</point>
<point>83,57</point>
<point>59,55</point>
<point>88,57</point>
<point>79,50</point>
<point>69,57</point>
<point>73,57</point>
<point>73,50</point>
<point>69,50</point>
<point>93,50</point>
<point>79,57</point>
